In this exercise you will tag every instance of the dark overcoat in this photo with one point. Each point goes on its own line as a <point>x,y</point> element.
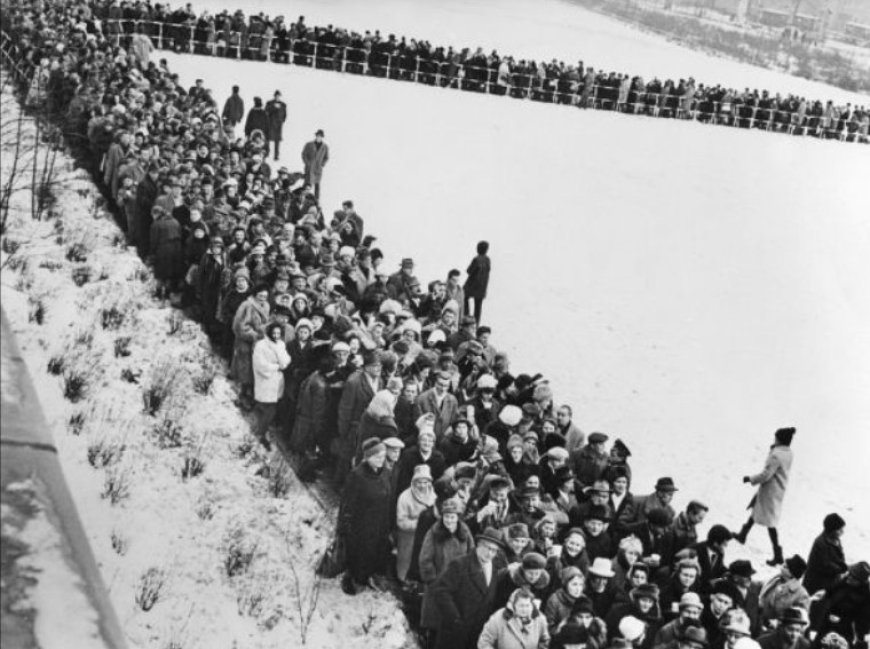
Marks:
<point>464,602</point>
<point>276,112</point>
<point>257,120</point>
<point>366,510</point>
<point>166,247</point>
<point>478,277</point>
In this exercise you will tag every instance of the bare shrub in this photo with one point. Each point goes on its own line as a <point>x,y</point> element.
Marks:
<point>17,263</point>
<point>120,542</point>
<point>105,451</point>
<point>239,550</point>
<point>176,322</point>
<point>116,486</point>
<point>51,264</point>
<point>165,377</point>
<point>130,375</point>
<point>84,338</point>
<point>246,446</point>
<point>37,310</point>
<point>55,365</point>
<point>122,346</point>
<point>9,245</point>
<point>150,588</point>
<point>75,384</point>
<point>193,463</point>
<point>111,318</point>
<point>205,509</point>
<point>278,474</point>
<point>81,274</point>
<point>305,599</point>
<point>77,252</point>
<point>204,378</point>
<point>168,431</point>
<point>76,422</point>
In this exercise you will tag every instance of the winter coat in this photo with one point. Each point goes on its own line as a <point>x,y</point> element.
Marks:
<point>408,510</point>
<point>558,608</point>
<point>478,277</point>
<point>464,602</point>
<point>588,465</point>
<point>269,360</point>
<point>315,160</point>
<point>374,426</point>
<point>141,48</point>
<point>772,482</point>
<point>249,326</point>
<point>356,395</point>
<point>845,609</point>
<point>310,423</point>
<point>234,109</point>
<point>165,238</point>
<point>504,631</point>
<point>276,112</point>
<point>366,517</point>
<point>256,121</point>
<point>777,640</point>
<point>409,459</point>
<point>439,548</point>
<point>513,577</point>
<point>825,563</point>
<point>444,416</point>
<point>652,619</point>
<point>778,594</point>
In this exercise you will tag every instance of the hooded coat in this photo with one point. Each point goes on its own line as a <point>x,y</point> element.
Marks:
<point>249,326</point>
<point>772,482</point>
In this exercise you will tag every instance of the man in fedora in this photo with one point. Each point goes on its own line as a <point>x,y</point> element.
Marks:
<point>660,498</point>
<point>315,155</point>
<point>692,637</point>
<point>690,607</point>
<point>599,586</point>
<point>399,284</point>
<point>465,593</point>
<point>789,634</point>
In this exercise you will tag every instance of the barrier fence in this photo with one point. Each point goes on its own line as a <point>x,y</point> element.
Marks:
<point>464,75</point>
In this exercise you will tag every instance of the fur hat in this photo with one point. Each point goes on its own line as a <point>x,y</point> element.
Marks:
<point>372,447</point>
<point>534,561</point>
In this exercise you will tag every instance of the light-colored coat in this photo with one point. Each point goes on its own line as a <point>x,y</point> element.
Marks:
<point>504,631</point>
<point>779,594</point>
<point>772,481</point>
<point>269,360</point>
<point>249,326</point>
<point>408,510</point>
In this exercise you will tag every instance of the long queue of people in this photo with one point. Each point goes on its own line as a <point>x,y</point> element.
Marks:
<point>462,480</point>
<point>259,37</point>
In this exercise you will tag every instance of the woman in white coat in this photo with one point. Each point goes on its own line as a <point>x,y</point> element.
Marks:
<point>766,505</point>
<point>519,625</point>
<point>269,360</point>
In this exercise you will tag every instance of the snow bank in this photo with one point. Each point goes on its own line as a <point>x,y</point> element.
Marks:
<point>687,287</point>
<point>178,530</point>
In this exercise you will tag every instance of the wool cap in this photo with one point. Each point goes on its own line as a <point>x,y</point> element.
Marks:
<point>650,591</point>
<point>568,573</point>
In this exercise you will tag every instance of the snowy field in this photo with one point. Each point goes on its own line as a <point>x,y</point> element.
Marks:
<point>687,288</point>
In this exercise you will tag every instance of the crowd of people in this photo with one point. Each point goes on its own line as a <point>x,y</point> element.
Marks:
<point>461,480</point>
<point>263,38</point>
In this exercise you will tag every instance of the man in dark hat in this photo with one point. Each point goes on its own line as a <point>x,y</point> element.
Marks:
<point>766,505</point>
<point>740,573</point>
<point>619,454</point>
<point>399,283</point>
<point>590,461</point>
<point>531,573</point>
<point>789,634</point>
<point>276,115</point>
<point>660,499</point>
<point>465,594</point>
<point>657,538</point>
<point>827,561</point>
<point>315,155</point>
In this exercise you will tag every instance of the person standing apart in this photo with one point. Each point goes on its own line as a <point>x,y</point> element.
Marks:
<point>766,505</point>
<point>257,120</point>
<point>478,279</point>
<point>276,113</point>
<point>315,155</point>
<point>234,108</point>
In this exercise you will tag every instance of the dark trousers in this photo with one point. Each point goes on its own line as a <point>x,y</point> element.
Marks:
<point>478,306</point>
<point>276,144</point>
<point>265,413</point>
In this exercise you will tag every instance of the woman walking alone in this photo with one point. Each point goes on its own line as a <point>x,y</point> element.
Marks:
<point>766,505</point>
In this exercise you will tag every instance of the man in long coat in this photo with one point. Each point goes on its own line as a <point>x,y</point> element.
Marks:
<point>315,155</point>
<point>276,113</point>
<point>356,395</point>
<point>478,280</point>
<point>464,594</point>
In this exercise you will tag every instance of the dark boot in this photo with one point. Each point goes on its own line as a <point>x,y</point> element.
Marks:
<point>740,537</point>
<point>777,556</point>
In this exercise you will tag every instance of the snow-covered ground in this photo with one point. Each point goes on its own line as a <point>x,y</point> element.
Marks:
<point>539,30</point>
<point>686,287</point>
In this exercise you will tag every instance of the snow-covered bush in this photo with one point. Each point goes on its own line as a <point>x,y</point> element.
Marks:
<point>76,422</point>
<point>204,378</point>
<point>168,431</point>
<point>239,549</point>
<point>150,588</point>
<point>81,274</point>
<point>105,451</point>
<point>120,542</point>
<point>55,365</point>
<point>194,460</point>
<point>278,474</point>
<point>116,486</point>
<point>37,309</point>
<point>122,346</point>
<point>75,383</point>
<point>164,380</point>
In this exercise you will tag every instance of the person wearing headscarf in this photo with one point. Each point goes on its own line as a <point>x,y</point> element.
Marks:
<point>766,505</point>
<point>412,502</point>
<point>365,519</point>
<point>519,625</point>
